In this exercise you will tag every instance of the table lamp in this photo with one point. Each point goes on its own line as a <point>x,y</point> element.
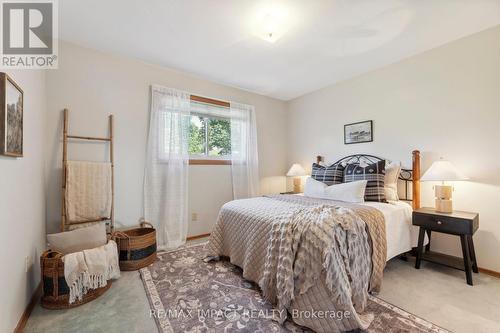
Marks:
<point>443,171</point>
<point>296,171</point>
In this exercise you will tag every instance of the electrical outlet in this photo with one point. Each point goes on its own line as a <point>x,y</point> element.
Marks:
<point>28,262</point>
<point>194,217</point>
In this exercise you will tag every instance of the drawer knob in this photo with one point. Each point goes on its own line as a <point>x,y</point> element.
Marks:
<point>439,222</point>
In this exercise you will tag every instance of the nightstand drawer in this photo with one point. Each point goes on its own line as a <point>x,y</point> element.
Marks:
<point>443,224</point>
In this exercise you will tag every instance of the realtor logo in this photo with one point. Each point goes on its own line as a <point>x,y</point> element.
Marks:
<point>29,34</point>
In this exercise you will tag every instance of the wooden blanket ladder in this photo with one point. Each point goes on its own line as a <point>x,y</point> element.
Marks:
<point>65,222</point>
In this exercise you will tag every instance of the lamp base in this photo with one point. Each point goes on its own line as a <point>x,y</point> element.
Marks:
<point>443,191</point>
<point>297,185</point>
<point>444,206</point>
<point>443,198</point>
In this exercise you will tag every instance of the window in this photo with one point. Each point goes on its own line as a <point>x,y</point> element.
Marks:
<point>209,137</point>
<point>209,134</point>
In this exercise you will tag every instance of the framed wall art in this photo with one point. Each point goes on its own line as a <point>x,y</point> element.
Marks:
<point>11,117</point>
<point>358,132</point>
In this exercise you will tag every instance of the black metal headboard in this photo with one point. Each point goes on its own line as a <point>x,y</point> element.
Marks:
<point>405,176</point>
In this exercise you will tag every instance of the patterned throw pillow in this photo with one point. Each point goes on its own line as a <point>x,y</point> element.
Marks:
<point>330,175</point>
<point>374,174</point>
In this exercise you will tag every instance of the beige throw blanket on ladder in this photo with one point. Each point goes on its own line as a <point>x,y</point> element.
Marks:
<point>88,190</point>
<point>90,269</point>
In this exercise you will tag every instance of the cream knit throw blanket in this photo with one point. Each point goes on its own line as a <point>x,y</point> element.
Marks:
<point>313,241</point>
<point>90,269</point>
<point>88,190</point>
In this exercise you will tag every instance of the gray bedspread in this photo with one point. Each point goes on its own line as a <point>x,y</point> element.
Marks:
<point>316,258</point>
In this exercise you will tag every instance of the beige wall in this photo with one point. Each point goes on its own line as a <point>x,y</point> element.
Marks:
<point>93,84</point>
<point>445,102</point>
<point>22,205</point>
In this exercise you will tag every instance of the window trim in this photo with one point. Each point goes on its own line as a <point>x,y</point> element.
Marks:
<point>203,160</point>
<point>200,99</point>
<point>209,161</point>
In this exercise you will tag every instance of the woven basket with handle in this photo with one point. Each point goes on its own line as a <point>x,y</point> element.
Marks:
<point>137,247</point>
<point>55,293</point>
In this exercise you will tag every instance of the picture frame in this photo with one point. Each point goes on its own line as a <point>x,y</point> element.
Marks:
<point>11,117</point>
<point>358,132</point>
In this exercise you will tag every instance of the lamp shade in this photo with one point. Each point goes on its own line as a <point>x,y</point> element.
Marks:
<point>296,170</point>
<point>442,170</point>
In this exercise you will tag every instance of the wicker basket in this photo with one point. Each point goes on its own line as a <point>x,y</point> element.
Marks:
<point>55,293</point>
<point>137,247</point>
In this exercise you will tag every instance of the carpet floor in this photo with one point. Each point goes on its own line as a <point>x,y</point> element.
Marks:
<point>188,294</point>
<point>437,293</point>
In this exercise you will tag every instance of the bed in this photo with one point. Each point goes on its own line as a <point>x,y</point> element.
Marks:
<point>401,235</point>
<point>313,255</point>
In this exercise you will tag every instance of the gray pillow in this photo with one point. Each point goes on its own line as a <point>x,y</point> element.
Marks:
<point>374,174</point>
<point>330,175</point>
<point>79,239</point>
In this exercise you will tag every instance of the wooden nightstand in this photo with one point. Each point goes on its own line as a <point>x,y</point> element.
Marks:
<point>463,224</point>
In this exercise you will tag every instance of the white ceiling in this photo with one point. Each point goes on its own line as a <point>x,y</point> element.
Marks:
<point>325,41</point>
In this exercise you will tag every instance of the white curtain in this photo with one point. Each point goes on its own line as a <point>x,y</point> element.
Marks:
<point>244,155</point>
<point>166,170</point>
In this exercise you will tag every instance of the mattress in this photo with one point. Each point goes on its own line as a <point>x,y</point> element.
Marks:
<point>401,235</point>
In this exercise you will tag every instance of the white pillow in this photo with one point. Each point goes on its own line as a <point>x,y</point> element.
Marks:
<point>79,239</point>
<point>348,192</point>
<point>392,171</point>
<point>314,188</point>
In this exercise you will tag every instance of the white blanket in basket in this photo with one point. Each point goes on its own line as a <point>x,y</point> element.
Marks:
<point>90,269</point>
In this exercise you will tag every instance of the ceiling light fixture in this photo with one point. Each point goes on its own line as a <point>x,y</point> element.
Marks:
<point>271,22</point>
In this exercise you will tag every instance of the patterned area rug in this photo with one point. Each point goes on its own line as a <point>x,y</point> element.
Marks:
<point>189,295</point>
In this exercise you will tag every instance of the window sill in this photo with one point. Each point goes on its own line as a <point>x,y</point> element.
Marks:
<point>209,162</point>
